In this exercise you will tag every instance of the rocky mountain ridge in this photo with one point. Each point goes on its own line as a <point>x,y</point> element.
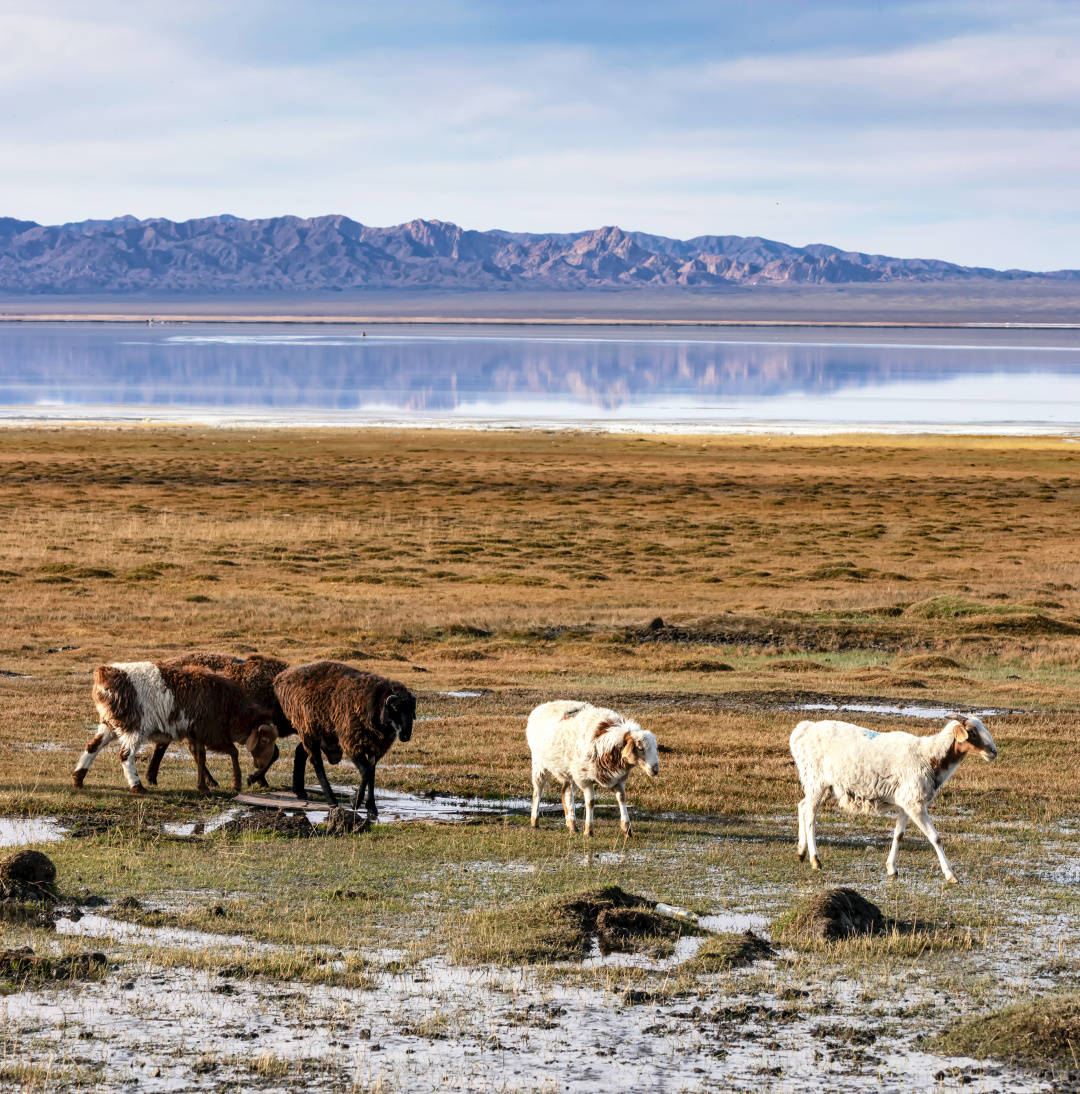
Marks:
<point>335,253</point>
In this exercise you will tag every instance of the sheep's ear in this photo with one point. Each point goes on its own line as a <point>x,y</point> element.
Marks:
<point>958,728</point>
<point>629,748</point>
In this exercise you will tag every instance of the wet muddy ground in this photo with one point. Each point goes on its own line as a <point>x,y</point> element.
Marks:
<point>425,1021</point>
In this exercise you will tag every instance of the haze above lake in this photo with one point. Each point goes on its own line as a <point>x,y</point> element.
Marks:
<point>798,379</point>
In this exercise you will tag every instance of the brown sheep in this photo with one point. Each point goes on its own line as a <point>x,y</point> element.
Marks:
<point>339,710</point>
<point>138,701</point>
<point>255,676</point>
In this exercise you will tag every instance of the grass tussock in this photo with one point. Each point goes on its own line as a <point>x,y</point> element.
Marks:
<point>564,927</point>
<point>1043,1031</point>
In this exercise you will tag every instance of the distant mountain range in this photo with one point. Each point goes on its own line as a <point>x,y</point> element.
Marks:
<point>333,253</point>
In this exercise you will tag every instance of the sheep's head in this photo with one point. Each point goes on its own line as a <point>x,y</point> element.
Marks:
<point>262,744</point>
<point>973,737</point>
<point>639,750</point>
<point>398,713</point>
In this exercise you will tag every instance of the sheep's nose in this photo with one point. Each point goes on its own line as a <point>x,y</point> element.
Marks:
<point>654,770</point>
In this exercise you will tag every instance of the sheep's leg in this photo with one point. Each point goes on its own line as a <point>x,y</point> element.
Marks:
<point>105,736</point>
<point>205,772</point>
<point>922,821</point>
<point>320,774</point>
<point>237,779</point>
<point>127,765</point>
<point>258,777</point>
<point>200,766</point>
<point>801,850</point>
<point>898,831</point>
<point>808,808</point>
<point>372,808</point>
<point>568,806</point>
<point>539,781</point>
<point>154,765</point>
<point>299,763</point>
<point>589,794</point>
<point>624,815</point>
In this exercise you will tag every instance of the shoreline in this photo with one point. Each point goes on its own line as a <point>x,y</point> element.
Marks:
<point>210,318</point>
<point>1069,434</point>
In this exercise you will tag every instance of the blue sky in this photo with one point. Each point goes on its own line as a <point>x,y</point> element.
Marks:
<point>912,127</point>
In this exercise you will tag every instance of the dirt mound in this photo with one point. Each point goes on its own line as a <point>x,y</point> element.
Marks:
<point>27,875</point>
<point>563,928</point>
<point>23,964</point>
<point>697,665</point>
<point>342,822</point>
<point>1043,1030</point>
<point>928,662</point>
<point>625,930</point>
<point>796,665</point>
<point>830,916</point>
<point>265,822</point>
<point>722,952</point>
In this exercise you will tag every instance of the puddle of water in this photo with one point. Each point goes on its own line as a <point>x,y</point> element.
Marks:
<point>100,926</point>
<point>17,831</point>
<point>461,694</point>
<point>202,827</point>
<point>734,922</point>
<point>47,746</point>
<point>905,711</point>
<point>397,806</point>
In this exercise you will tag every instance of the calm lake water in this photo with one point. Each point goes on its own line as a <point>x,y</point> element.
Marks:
<point>809,379</point>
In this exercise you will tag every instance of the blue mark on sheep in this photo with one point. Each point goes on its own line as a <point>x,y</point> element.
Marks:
<point>870,734</point>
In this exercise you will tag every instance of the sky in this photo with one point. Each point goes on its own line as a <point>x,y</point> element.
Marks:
<point>919,128</point>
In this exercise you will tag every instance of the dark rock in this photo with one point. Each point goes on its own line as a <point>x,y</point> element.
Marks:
<point>343,822</point>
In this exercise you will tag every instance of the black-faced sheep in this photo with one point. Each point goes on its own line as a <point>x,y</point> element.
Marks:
<point>897,774</point>
<point>255,676</point>
<point>577,744</point>
<point>338,710</point>
<point>139,701</point>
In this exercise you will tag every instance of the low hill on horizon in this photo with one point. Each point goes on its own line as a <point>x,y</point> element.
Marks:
<point>334,253</point>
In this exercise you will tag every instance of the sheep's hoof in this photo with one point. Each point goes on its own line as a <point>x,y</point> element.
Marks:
<point>952,880</point>
<point>77,779</point>
<point>138,788</point>
<point>815,863</point>
<point>801,855</point>
<point>628,831</point>
<point>534,823</point>
<point>257,780</point>
<point>890,874</point>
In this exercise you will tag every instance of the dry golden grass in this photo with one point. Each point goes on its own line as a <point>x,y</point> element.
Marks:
<point>530,565</point>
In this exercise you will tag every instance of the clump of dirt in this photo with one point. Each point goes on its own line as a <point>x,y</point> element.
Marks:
<point>721,952</point>
<point>24,914</point>
<point>562,928</point>
<point>796,665</point>
<point>928,662</point>
<point>27,875</point>
<point>1043,1030</point>
<point>830,916</point>
<point>343,822</point>
<point>627,930</point>
<point>1020,623</point>
<point>697,665</point>
<point>24,965</point>
<point>265,822</point>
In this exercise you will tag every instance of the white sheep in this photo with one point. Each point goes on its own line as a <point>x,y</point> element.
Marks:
<point>577,744</point>
<point>895,774</point>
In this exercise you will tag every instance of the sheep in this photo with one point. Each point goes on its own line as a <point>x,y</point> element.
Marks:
<point>577,744</point>
<point>255,677</point>
<point>339,710</point>
<point>139,701</point>
<point>896,774</point>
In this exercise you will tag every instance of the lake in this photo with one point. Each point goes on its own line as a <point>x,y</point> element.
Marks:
<point>681,379</point>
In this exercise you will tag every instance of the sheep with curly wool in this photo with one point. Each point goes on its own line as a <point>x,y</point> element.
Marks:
<point>578,745</point>
<point>339,710</point>
<point>896,774</point>
<point>140,701</point>
<point>255,677</point>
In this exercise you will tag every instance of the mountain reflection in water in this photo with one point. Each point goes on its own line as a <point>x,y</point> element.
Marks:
<point>579,378</point>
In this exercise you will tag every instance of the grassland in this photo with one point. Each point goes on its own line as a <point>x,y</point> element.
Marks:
<point>708,586</point>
